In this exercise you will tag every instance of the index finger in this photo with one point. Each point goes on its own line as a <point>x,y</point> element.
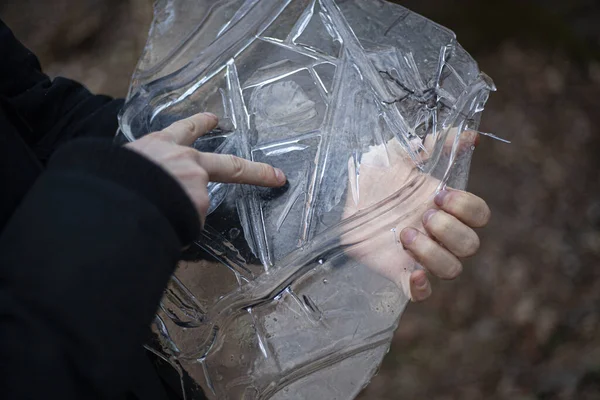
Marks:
<point>187,130</point>
<point>227,168</point>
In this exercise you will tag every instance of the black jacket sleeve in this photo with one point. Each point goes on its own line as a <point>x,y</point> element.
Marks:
<point>50,112</point>
<point>83,263</point>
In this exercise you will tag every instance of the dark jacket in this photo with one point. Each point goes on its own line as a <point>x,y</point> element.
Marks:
<point>89,234</point>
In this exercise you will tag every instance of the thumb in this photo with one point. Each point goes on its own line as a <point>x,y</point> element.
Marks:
<point>186,131</point>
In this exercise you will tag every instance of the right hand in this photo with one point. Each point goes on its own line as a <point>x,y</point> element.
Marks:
<point>193,169</point>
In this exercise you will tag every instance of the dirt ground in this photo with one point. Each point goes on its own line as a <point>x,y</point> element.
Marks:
<point>523,321</point>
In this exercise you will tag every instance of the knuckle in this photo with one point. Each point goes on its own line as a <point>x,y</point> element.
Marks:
<point>189,152</point>
<point>188,126</point>
<point>424,250</point>
<point>475,244</point>
<point>440,224</point>
<point>468,207</point>
<point>193,175</point>
<point>237,165</point>
<point>471,246</point>
<point>458,204</point>
<point>485,215</point>
<point>265,172</point>
<point>453,270</point>
<point>203,175</point>
<point>445,223</point>
<point>199,174</point>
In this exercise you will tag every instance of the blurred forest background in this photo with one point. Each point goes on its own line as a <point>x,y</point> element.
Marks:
<point>523,322</point>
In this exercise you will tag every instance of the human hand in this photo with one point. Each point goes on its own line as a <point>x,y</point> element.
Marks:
<point>437,236</point>
<point>447,237</point>
<point>193,169</point>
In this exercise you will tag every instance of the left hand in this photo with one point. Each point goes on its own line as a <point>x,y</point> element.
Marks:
<point>447,238</point>
<point>436,237</point>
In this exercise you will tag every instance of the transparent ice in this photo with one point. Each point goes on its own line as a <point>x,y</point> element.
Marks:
<point>369,109</point>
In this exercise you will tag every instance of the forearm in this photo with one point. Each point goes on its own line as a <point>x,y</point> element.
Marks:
<point>84,261</point>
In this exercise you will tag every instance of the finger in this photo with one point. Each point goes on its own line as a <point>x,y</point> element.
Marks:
<point>461,240</point>
<point>187,130</point>
<point>433,257</point>
<point>466,140</point>
<point>420,288</point>
<point>231,169</point>
<point>465,206</point>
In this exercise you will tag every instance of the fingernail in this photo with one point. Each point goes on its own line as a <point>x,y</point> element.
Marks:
<point>408,236</point>
<point>440,197</point>
<point>280,176</point>
<point>428,214</point>
<point>421,281</point>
